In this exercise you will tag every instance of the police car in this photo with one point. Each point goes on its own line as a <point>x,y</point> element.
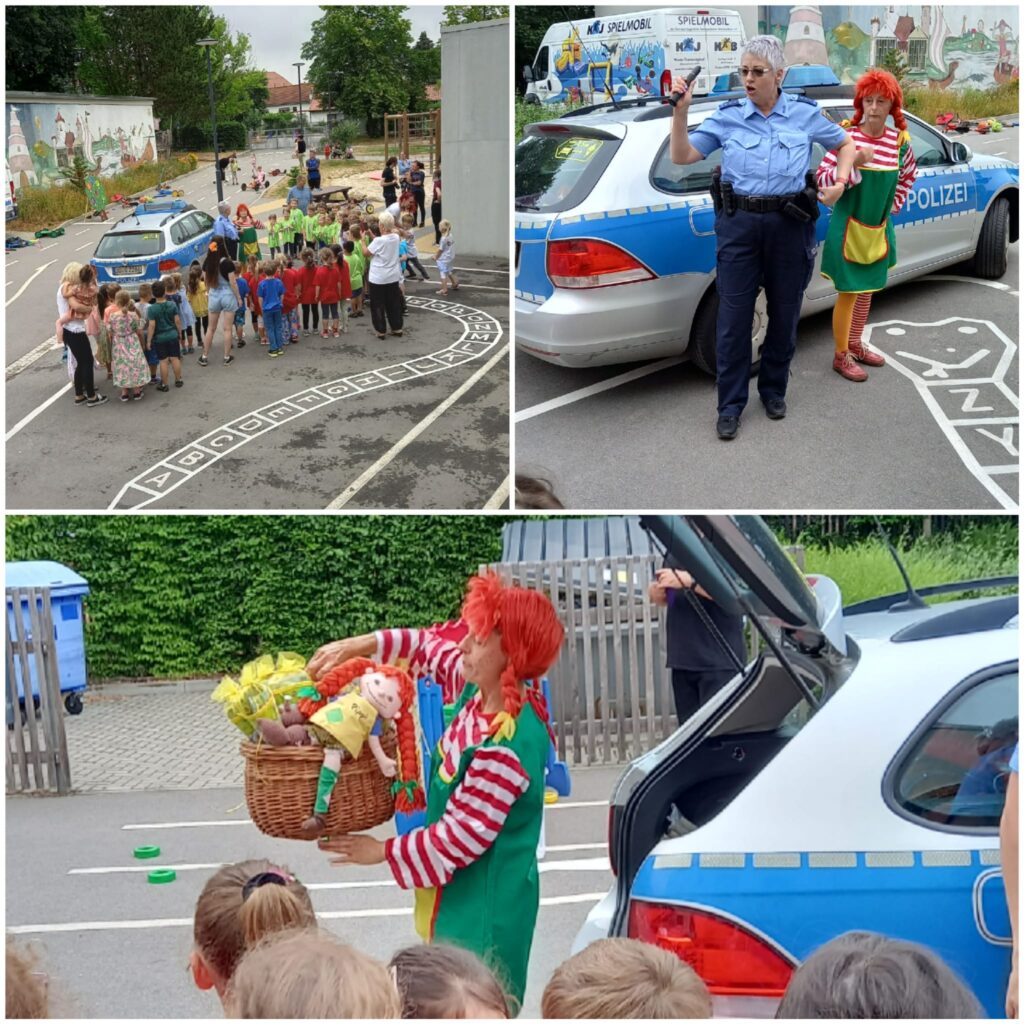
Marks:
<point>615,244</point>
<point>851,777</point>
<point>168,236</point>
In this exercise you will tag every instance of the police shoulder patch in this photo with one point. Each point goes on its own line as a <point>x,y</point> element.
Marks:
<point>806,99</point>
<point>728,103</point>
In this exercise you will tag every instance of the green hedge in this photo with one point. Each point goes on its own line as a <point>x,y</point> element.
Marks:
<point>230,135</point>
<point>175,596</point>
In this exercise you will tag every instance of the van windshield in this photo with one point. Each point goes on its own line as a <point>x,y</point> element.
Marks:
<point>557,170</point>
<point>124,244</point>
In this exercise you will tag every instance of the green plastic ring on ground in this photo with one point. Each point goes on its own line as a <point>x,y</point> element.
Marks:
<point>145,852</point>
<point>162,875</point>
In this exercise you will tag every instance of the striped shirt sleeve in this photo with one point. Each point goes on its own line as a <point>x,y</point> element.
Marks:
<point>908,175</point>
<point>427,653</point>
<point>476,811</point>
<point>826,172</point>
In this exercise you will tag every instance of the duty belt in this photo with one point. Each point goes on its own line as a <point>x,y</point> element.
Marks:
<point>761,204</point>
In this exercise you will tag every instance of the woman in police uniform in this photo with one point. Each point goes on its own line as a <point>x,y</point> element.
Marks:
<point>766,237</point>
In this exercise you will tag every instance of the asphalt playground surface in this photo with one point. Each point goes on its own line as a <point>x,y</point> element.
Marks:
<point>117,946</point>
<point>635,436</point>
<point>413,422</point>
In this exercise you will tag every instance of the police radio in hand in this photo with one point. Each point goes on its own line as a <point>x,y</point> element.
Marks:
<point>675,97</point>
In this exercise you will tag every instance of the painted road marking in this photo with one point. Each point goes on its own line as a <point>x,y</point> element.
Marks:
<point>10,263</point>
<point>481,333</point>
<point>38,409</point>
<point>32,277</point>
<point>998,285</point>
<point>43,248</point>
<point>82,232</point>
<point>24,362</point>
<point>956,380</point>
<point>389,456</point>
<point>86,246</point>
<point>595,389</point>
<point>500,496</point>
<point>326,915</point>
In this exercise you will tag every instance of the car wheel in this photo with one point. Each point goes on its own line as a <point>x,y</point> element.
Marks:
<point>704,334</point>
<point>990,257</point>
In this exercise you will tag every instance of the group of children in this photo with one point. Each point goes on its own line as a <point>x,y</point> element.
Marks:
<point>256,942</point>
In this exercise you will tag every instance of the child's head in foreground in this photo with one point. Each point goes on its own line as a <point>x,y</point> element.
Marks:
<point>864,976</point>
<point>25,986</point>
<point>310,974</point>
<point>445,982</point>
<point>625,978</point>
<point>240,905</point>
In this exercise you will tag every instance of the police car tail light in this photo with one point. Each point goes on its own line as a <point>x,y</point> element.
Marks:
<point>168,266</point>
<point>591,263</point>
<point>731,960</point>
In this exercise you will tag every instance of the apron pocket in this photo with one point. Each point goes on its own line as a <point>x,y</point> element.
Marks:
<point>864,243</point>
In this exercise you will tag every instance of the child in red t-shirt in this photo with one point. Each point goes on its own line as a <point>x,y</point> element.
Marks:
<point>252,279</point>
<point>307,274</point>
<point>327,290</point>
<point>290,303</point>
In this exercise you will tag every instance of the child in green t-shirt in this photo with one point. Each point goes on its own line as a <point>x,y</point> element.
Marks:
<point>356,269</point>
<point>164,333</point>
<point>274,235</point>
<point>295,226</point>
<point>310,228</point>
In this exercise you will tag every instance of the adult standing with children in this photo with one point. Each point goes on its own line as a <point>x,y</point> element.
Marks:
<point>417,182</point>
<point>223,227</point>
<point>435,206</point>
<point>385,275</point>
<point>222,295</point>
<point>764,220</point>
<point>300,193</point>
<point>860,246</point>
<point>76,339</point>
<point>475,875</point>
<point>389,181</point>
<point>313,170</point>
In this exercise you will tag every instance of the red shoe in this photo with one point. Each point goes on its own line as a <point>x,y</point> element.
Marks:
<point>844,365</point>
<point>866,355</point>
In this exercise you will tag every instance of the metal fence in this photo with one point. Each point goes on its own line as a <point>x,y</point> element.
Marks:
<point>36,750</point>
<point>284,138</point>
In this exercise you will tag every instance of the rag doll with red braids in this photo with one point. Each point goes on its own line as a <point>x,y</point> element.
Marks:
<point>473,865</point>
<point>347,709</point>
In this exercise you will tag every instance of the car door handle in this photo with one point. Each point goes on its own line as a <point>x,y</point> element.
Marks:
<point>988,899</point>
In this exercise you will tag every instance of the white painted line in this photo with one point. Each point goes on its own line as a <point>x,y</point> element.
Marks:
<point>500,496</point>
<point>25,420</point>
<point>184,824</point>
<point>595,389</point>
<point>82,232</point>
<point>86,246</point>
<point>34,275</point>
<point>43,248</point>
<point>145,867</point>
<point>480,270</point>
<point>478,287</point>
<point>1000,152</point>
<point>10,263</point>
<point>576,846</point>
<point>570,804</point>
<point>998,285</point>
<point>1012,468</point>
<point>326,915</point>
<point>389,456</point>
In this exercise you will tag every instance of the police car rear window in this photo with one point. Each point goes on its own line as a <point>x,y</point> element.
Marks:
<point>129,243</point>
<point>558,171</point>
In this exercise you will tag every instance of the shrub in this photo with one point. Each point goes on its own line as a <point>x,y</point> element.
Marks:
<point>528,113</point>
<point>343,133</point>
<point>927,104</point>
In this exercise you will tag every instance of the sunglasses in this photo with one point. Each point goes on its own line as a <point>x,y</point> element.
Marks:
<point>756,72</point>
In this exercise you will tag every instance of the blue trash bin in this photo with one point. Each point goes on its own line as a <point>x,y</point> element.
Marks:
<point>67,589</point>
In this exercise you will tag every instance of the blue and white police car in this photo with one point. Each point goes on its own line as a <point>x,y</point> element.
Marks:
<point>166,236</point>
<point>615,244</point>
<point>851,777</point>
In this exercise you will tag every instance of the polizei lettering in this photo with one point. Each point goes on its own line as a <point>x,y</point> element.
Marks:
<point>930,197</point>
<point>596,28</point>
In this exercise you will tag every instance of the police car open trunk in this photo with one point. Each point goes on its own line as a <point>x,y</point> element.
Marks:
<point>690,777</point>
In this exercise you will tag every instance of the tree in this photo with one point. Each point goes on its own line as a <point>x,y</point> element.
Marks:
<point>531,24</point>
<point>467,15</point>
<point>424,70</point>
<point>895,62</point>
<point>43,48</point>
<point>424,42</point>
<point>370,49</point>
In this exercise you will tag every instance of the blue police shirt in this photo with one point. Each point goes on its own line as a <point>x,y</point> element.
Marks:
<point>223,227</point>
<point>766,156</point>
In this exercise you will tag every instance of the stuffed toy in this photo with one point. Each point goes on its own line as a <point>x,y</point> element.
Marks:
<point>346,710</point>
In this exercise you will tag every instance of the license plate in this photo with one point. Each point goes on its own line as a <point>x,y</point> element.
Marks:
<point>129,271</point>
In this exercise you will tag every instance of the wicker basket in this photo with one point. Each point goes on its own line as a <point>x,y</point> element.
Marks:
<point>280,789</point>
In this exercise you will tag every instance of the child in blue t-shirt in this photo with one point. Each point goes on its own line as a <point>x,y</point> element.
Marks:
<point>243,294</point>
<point>271,293</point>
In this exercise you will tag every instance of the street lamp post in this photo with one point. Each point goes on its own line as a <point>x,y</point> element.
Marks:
<point>298,64</point>
<point>207,43</point>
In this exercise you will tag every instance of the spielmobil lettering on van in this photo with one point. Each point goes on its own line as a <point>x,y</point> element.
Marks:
<point>629,25</point>
<point>702,21</point>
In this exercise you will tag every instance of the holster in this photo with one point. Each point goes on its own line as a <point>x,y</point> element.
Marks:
<point>728,198</point>
<point>803,206</point>
<point>716,190</point>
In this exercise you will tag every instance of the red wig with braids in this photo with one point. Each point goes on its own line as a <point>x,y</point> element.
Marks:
<point>531,635</point>
<point>879,83</point>
<point>408,790</point>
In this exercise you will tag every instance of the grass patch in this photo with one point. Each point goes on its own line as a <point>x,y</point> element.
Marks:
<point>970,103</point>
<point>48,207</point>
<point>866,570</point>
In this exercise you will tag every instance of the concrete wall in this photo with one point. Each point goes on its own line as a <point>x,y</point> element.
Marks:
<point>475,134</point>
<point>46,131</point>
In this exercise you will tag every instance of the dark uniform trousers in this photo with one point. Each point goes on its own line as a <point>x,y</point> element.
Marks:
<point>755,250</point>
<point>693,688</point>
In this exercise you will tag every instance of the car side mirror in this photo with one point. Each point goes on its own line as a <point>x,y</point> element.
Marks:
<point>961,153</point>
<point>528,73</point>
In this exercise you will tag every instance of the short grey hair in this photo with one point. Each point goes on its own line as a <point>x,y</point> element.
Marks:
<point>223,207</point>
<point>768,48</point>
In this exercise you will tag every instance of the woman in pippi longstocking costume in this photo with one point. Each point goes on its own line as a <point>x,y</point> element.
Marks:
<point>860,245</point>
<point>474,864</point>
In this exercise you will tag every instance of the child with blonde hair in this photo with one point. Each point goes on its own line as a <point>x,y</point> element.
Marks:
<point>188,318</point>
<point>625,978</point>
<point>131,372</point>
<point>446,257</point>
<point>152,360</point>
<point>198,301</point>
<point>412,253</point>
<point>438,981</point>
<point>239,906</point>
<point>79,289</point>
<point>26,989</point>
<point>310,975</point>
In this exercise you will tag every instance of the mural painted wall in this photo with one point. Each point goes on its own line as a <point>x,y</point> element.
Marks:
<point>45,135</point>
<point>956,46</point>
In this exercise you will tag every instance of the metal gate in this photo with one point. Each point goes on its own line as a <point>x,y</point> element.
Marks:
<point>37,750</point>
